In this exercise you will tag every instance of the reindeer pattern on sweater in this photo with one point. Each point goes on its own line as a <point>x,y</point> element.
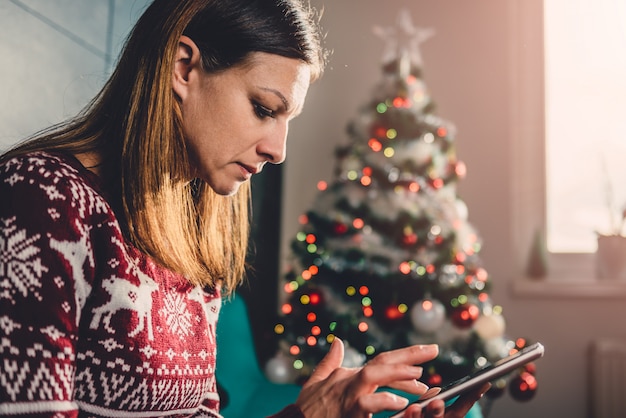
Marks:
<point>89,325</point>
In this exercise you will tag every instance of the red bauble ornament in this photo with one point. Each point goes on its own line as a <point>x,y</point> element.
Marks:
<point>409,239</point>
<point>378,131</point>
<point>464,316</point>
<point>434,380</point>
<point>393,313</point>
<point>523,387</point>
<point>340,228</point>
<point>315,298</point>
<point>530,368</point>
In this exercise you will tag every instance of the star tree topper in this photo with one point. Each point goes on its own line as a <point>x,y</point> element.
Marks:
<point>403,41</point>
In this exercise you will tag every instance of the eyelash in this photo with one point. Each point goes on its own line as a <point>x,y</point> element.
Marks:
<point>263,112</point>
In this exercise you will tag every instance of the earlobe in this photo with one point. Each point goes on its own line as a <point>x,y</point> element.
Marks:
<point>187,59</point>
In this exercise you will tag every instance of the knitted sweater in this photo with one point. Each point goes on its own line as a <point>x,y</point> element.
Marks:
<point>90,326</point>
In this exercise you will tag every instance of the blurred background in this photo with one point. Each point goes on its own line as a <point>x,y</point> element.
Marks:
<point>488,70</point>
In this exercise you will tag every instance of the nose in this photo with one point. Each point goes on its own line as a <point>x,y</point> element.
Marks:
<point>273,147</point>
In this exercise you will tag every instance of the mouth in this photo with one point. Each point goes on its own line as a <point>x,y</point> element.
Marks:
<point>248,169</point>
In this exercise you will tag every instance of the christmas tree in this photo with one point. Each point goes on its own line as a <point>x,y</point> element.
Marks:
<point>386,256</point>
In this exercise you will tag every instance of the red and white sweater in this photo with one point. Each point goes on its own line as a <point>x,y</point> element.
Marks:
<point>89,325</point>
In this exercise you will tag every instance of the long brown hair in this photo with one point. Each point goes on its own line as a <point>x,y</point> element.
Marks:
<point>134,125</point>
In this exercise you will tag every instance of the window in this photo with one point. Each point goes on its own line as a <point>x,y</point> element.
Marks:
<point>585,92</point>
<point>565,156</point>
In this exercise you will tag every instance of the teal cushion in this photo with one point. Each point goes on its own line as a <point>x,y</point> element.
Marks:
<point>475,412</point>
<point>250,394</point>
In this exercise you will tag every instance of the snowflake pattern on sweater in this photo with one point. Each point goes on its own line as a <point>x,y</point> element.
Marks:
<point>90,326</point>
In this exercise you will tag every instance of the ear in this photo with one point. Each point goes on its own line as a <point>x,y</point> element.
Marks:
<point>186,63</point>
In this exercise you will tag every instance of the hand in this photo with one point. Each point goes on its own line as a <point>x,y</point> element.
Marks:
<point>458,409</point>
<point>335,391</point>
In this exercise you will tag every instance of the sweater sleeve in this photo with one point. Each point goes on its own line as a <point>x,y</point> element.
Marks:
<point>46,267</point>
<point>291,411</point>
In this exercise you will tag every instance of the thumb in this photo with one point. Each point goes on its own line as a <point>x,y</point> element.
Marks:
<point>331,361</point>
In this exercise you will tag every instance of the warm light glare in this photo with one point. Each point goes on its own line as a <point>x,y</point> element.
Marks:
<point>375,145</point>
<point>314,298</point>
<point>405,268</point>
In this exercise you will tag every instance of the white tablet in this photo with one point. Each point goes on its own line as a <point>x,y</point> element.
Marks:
<point>486,374</point>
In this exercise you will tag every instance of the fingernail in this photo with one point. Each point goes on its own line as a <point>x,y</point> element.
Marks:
<point>399,401</point>
<point>431,348</point>
<point>421,386</point>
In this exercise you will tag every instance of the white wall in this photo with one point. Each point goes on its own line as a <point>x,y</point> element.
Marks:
<point>468,70</point>
<point>55,56</point>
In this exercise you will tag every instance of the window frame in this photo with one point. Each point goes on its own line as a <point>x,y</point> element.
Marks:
<point>568,275</point>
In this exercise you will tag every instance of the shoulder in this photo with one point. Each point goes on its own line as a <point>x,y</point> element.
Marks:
<point>36,167</point>
<point>50,193</point>
<point>60,180</point>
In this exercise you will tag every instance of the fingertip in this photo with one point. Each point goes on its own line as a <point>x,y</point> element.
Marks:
<point>432,349</point>
<point>337,342</point>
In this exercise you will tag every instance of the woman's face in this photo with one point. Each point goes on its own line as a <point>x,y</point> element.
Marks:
<point>237,120</point>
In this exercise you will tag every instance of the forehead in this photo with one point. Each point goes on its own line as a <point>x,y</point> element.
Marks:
<point>291,76</point>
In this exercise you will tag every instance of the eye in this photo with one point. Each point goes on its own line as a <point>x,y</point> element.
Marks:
<point>262,112</point>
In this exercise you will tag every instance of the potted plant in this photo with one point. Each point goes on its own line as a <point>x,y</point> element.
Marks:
<point>611,252</point>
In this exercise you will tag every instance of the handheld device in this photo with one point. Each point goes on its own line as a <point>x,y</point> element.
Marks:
<point>486,374</point>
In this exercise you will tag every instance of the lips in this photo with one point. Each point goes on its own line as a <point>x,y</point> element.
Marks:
<point>250,169</point>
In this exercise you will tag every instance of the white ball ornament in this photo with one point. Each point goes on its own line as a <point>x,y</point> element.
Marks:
<point>490,326</point>
<point>461,209</point>
<point>427,315</point>
<point>496,348</point>
<point>352,358</point>
<point>279,369</point>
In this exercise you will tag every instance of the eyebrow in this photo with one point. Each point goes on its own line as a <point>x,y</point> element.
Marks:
<point>282,98</point>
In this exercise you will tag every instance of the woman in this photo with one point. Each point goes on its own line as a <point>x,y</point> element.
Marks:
<point>123,227</point>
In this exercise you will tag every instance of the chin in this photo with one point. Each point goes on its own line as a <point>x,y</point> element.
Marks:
<point>226,191</point>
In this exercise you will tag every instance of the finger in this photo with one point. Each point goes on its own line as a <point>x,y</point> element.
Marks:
<point>331,361</point>
<point>464,403</point>
<point>413,411</point>
<point>415,354</point>
<point>430,393</point>
<point>401,376</point>
<point>435,409</point>
<point>412,386</point>
<point>382,401</point>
